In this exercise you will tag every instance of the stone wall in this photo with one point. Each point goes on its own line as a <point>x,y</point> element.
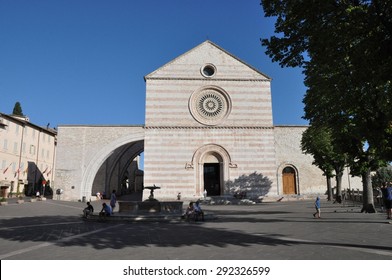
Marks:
<point>310,178</point>
<point>171,160</point>
<point>81,152</point>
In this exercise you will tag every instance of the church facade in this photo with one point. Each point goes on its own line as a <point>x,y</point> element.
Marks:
<point>208,128</point>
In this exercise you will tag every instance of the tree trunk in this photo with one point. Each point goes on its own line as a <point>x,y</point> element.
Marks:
<point>368,200</point>
<point>329,188</point>
<point>339,176</point>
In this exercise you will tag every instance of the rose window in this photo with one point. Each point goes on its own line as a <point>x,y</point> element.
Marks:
<point>209,106</point>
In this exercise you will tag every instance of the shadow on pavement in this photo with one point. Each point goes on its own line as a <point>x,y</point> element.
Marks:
<point>66,231</point>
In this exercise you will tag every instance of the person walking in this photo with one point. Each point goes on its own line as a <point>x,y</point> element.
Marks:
<point>113,200</point>
<point>317,205</point>
<point>387,194</point>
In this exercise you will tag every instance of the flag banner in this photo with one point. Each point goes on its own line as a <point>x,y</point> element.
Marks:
<point>5,170</point>
<point>46,169</point>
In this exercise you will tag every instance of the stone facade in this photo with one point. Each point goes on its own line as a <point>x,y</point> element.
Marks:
<point>208,126</point>
<point>183,133</point>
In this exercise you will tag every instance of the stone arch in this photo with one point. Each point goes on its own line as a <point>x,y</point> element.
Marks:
<point>210,153</point>
<point>122,158</point>
<point>279,177</point>
<point>99,158</point>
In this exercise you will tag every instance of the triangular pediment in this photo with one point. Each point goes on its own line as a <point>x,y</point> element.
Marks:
<point>190,65</point>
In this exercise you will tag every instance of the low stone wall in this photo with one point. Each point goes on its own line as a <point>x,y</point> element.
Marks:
<point>161,207</point>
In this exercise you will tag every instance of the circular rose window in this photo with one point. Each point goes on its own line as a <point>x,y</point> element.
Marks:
<point>210,105</point>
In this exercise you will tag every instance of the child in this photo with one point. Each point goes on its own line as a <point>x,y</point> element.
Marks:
<point>317,205</point>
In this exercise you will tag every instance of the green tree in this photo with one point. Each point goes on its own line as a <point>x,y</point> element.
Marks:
<point>318,142</point>
<point>345,49</point>
<point>360,124</point>
<point>17,109</point>
<point>382,175</point>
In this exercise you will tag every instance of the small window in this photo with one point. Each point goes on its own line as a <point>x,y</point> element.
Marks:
<point>208,70</point>
<point>32,149</point>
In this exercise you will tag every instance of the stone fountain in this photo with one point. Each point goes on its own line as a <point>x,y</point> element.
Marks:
<point>151,205</point>
<point>152,188</point>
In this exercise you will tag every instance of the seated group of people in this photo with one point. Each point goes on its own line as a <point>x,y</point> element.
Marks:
<point>106,210</point>
<point>194,211</point>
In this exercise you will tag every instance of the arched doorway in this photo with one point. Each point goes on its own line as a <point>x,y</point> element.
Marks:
<point>289,180</point>
<point>212,174</point>
<point>212,164</point>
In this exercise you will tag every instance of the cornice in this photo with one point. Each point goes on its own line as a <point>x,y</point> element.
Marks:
<point>204,79</point>
<point>208,127</point>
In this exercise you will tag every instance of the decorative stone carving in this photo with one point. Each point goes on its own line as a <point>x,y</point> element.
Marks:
<point>210,105</point>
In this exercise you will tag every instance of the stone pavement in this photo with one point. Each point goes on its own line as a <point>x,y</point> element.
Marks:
<point>54,229</point>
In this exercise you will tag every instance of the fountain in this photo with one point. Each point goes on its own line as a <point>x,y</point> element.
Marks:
<point>151,205</point>
<point>152,188</point>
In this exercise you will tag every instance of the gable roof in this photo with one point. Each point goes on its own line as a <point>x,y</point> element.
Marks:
<point>187,56</point>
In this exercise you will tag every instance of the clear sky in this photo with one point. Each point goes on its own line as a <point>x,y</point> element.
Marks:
<point>84,61</point>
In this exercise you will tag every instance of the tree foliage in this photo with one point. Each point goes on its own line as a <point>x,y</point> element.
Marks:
<point>345,49</point>
<point>318,142</point>
<point>17,111</point>
<point>382,175</point>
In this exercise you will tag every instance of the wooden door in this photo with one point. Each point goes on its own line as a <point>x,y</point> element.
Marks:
<point>288,177</point>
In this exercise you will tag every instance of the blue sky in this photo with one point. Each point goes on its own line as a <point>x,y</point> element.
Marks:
<point>84,61</point>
